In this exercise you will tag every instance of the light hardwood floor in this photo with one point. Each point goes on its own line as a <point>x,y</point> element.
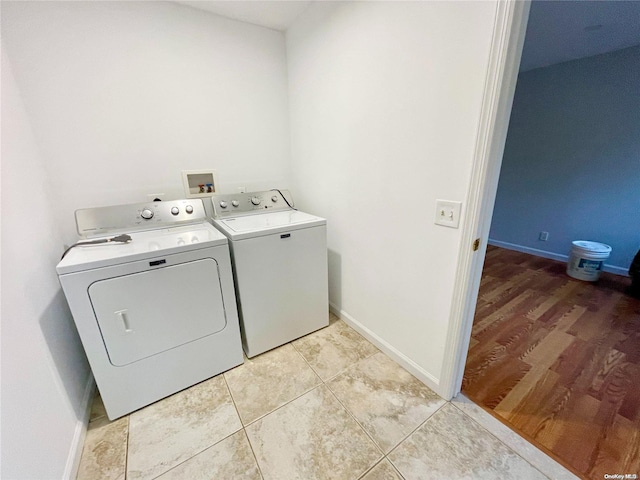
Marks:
<point>558,360</point>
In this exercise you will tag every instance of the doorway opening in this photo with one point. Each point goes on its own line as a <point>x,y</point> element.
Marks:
<point>558,359</point>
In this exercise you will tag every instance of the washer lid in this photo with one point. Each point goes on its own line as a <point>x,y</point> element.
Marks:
<point>143,245</point>
<point>267,223</point>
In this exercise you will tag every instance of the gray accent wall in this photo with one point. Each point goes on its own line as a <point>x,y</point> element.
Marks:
<point>571,165</point>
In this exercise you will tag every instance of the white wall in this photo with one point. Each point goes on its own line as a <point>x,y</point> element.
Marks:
<point>102,103</point>
<point>44,370</point>
<point>385,105</point>
<point>122,96</point>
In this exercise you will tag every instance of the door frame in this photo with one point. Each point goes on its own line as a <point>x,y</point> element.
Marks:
<point>502,73</point>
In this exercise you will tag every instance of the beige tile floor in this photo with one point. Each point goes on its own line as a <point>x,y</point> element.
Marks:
<point>327,406</point>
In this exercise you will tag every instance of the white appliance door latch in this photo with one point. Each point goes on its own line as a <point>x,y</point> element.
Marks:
<point>124,318</point>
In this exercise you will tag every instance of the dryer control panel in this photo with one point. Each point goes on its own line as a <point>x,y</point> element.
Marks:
<point>236,204</point>
<point>135,217</point>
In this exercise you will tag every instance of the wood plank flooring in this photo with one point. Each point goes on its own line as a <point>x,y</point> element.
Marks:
<point>558,360</point>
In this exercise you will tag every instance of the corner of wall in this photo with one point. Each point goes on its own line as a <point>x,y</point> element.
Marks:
<point>77,444</point>
<point>416,370</point>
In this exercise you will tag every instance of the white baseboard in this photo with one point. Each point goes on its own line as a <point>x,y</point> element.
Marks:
<point>401,359</point>
<point>75,452</point>
<point>553,256</point>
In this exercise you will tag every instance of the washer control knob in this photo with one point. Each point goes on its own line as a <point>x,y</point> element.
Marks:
<point>223,204</point>
<point>188,209</point>
<point>255,200</point>
<point>175,210</point>
<point>146,214</point>
<point>235,203</point>
<point>274,199</point>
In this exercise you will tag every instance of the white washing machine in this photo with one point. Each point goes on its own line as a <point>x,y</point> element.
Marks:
<point>279,260</point>
<point>157,314</point>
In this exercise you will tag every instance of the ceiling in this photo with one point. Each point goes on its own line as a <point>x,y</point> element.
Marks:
<point>274,14</point>
<point>558,31</point>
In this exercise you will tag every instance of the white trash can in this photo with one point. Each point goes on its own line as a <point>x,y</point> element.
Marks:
<point>586,260</point>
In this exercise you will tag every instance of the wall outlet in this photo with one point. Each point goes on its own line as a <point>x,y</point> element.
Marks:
<point>448,213</point>
<point>152,196</point>
<point>544,236</point>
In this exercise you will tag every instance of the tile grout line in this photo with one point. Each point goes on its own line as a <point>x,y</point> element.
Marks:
<point>126,451</point>
<point>287,402</point>
<point>255,457</point>
<point>193,456</point>
<point>211,446</point>
<point>357,422</point>
<point>417,428</point>
<point>242,425</point>
<point>235,406</point>
<point>409,434</point>
<point>314,370</point>
<point>233,400</point>
<point>353,416</point>
<point>324,383</point>
<point>502,442</point>
<point>224,379</point>
<point>261,417</point>
<point>214,443</point>
<point>385,456</point>
<point>306,361</point>
<point>395,469</point>
<point>393,465</point>
<point>361,477</point>
<point>344,369</point>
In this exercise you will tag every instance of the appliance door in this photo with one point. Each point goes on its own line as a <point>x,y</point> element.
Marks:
<point>282,286</point>
<point>149,312</point>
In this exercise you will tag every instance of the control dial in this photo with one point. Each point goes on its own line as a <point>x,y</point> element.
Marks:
<point>175,210</point>
<point>146,214</point>
<point>223,204</point>
<point>235,203</point>
<point>274,199</point>
<point>188,209</point>
<point>256,200</point>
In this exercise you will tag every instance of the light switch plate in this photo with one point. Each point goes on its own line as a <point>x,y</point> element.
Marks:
<point>448,213</point>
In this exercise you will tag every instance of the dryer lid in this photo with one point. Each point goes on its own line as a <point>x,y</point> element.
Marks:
<point>143,245</point>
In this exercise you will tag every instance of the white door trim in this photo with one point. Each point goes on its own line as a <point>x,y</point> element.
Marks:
<point>500,83</point>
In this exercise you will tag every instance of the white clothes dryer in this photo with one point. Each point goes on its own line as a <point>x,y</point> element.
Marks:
<point>157,314</point>
<point>279,257</point>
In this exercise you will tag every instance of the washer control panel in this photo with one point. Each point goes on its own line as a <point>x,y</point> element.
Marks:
<point>139,216</point>
<point>235,204</point>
